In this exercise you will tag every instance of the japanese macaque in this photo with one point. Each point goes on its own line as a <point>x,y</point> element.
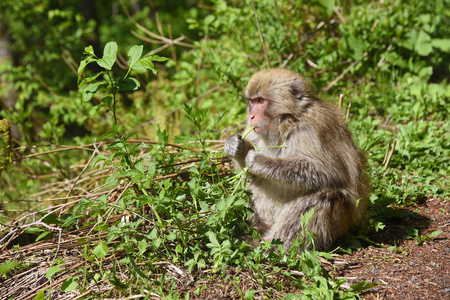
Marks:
<point>317,166</point>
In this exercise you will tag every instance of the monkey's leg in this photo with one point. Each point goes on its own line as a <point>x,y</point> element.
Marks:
<point>331,219</point>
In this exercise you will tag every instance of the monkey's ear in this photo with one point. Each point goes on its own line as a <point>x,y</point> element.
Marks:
<point>298,88</point>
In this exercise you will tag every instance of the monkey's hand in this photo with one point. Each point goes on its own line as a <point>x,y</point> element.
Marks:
<point>250,158</point>
<point>235,146</point>
<point>237,149</point>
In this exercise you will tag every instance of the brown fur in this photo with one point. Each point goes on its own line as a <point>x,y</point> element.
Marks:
<point>320,167</point>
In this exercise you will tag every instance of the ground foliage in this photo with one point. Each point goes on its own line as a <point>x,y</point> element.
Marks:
<point>118,187</point>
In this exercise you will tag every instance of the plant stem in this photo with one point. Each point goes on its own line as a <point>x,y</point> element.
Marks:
<point>114,108</point>
<point>248,132</point>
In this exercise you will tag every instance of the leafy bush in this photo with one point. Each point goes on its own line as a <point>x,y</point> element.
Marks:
<point>157,207</point>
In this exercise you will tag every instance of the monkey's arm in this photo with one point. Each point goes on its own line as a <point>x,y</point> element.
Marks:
<point>306,173</point>
<point>237,148</point>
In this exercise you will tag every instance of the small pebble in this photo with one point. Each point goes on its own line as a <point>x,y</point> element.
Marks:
<point>374,271</point>
<point>414,264</point>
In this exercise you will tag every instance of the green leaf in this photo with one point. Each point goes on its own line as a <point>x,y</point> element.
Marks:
<point>51,271</point>
<point>129,84</point>
<point>34,230</point>
<point>71,220</point>
<point>157,58</point>
<point>326,255</point>
<point>107,100</point>
<point>110,50</point>
<point>8,266</point>
<point>134,53</point>
<point>117,283</point>
<point>144,64</point>
<point>99,157</point>
<point>94,109</point>
<point>363,285</point>
<point>423,45</point>
<point>101,250</point>
<point>412,233</point>
<point>89,50</point>
<point>209,19</point>
<point>106,62</point>
<point>82,66</point>
<point>435,233</point>
<point>42,235</point>
<point>151,169</point>
<point>89,90</point>
<point>213,238</point>
<point>90,78</point>
<point>327,6</point>
<point>355,45</point>
<point>102,227</point>
<point>109,56</point>
<point>410,39</point>
<point>69,284</point>
<point>40,295</point>
<point>441,44</point>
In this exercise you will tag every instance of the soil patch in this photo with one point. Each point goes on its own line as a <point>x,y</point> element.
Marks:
<point>405,268</point>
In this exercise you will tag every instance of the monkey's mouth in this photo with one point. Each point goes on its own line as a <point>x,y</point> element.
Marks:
<point>259,129</point>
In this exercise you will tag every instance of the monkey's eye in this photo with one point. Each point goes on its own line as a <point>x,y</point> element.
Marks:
<point>259,100</point>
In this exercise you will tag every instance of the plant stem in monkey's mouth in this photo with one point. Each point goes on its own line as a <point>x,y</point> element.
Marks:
<point>248,131</point>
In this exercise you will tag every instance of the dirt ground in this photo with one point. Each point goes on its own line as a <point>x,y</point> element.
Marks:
<point>411,271</point>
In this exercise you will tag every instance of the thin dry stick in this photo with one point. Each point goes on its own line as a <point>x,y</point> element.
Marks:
<point>341,98</point>
<point>175,42</point>
<point>153,35</point>
<point>284,64</point>
<point>312,64</point>
<point>260,35</point>
<point>338,14</point>
<point>42,82</point>
<point>55,150</point>
<point>391,154</point>
<point>159,25</point>
<point>345,72</point>
<point>387,152</point>
<point>374,25</point>
<point>96,152</point>
<point>380,62</point>
<point>145,39</point>
<point>172,49</point>
<point>348,113</point>
<point>66,60</point>
<point>117,199</point>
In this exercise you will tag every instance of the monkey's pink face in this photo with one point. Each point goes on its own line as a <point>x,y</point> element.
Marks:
<point>257,115</point>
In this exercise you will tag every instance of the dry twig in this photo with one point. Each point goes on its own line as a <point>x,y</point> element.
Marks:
<point>260,35</point>
<point>343,73</point>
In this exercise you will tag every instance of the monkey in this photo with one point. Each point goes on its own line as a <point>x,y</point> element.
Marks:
<point>299,155</point>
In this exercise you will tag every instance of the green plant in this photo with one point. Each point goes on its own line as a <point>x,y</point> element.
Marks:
<point>413,234</point>
<point>112,84</point>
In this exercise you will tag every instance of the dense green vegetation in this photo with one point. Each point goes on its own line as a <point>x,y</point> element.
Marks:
<point>126,154</point>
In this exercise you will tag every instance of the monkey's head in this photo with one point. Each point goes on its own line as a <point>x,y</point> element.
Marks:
<point>273,98</point>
